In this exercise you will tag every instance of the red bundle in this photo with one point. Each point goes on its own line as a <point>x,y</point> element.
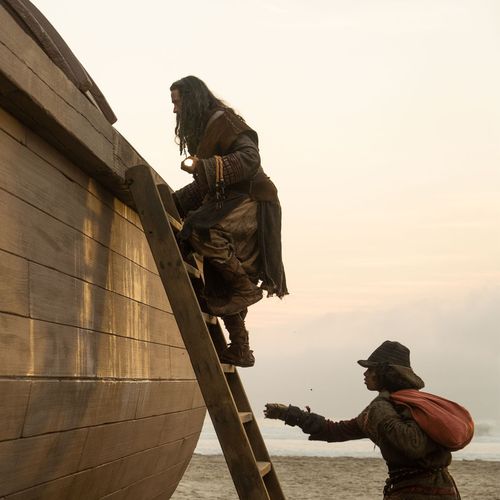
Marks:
<point>445,422</point>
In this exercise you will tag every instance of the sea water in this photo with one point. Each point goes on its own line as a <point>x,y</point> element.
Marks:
<point>284,440</point>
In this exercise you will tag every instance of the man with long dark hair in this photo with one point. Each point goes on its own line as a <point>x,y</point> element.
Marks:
<point>231,211</point>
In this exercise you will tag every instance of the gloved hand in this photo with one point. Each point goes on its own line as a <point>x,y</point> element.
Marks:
<point>309,422</point>
<point>276,411</point>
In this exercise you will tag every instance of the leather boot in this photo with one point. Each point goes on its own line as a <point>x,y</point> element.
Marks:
<point>241,291</point>
<point>238,352</point>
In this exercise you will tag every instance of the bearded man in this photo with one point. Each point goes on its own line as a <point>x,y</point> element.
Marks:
<point>231,211</point>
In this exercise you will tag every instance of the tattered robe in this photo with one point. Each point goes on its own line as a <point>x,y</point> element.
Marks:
<point>248,222</point>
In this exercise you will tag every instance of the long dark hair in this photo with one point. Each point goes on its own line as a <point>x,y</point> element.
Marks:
<point>198,103</point>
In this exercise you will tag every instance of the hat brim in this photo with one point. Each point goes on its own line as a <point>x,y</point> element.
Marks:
<point>367,364</point>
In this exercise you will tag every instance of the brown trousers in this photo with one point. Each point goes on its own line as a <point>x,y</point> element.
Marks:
<point>235,234</point>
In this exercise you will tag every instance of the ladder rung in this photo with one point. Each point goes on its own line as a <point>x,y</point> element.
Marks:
<point>209,318</point>
<point>245,416</point>
<point>264,467</point>
<point>196,257</point>
<point>192,271</point>
<point>176,225</point>
<point>226,368</point>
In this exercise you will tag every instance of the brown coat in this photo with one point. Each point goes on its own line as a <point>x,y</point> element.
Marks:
<point>231,138</point>
<point>417,465</point>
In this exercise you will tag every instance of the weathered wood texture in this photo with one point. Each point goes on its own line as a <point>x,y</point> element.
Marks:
<point>38,93</point>
<point>34,90</point>
<point>99,398</point>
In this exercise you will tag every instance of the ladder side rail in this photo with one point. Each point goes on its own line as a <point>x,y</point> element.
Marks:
<point>215,330</point>
<point>254,435</point>
<point>211,379</point>
<point>168,201</point>
<point>217,337</point>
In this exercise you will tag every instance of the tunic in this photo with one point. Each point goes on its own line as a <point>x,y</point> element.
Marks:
<point>248,222</point>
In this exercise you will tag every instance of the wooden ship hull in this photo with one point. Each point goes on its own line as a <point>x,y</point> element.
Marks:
<point>98,396</point>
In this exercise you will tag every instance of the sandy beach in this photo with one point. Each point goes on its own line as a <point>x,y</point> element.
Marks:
<point>317,478</point>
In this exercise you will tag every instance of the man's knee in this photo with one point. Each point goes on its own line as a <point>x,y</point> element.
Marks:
<point>212,245</point>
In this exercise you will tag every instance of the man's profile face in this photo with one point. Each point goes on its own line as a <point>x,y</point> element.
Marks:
<point>176,100</point>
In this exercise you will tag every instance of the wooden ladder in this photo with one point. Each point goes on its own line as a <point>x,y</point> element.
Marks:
<point>241,441</point>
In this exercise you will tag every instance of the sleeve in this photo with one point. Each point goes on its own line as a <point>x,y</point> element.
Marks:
<point>189,197</point>
<point>321,429</point>
<point>241,163</point>
<point>386,426</point>
<point>334,432</point>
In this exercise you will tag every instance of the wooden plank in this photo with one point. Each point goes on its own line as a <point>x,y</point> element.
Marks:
<point>183,423</point>
<point>209,318</point>
<point>108,478</point>
<point>264,468</point>
<point>33,235</point>
<point>57,405</point>
<point>180,364</point>
<point>14,395</point>
<point>194,424</point>
<point>228,368</point>
<point>177,472</point>
<point>58,298</point>
<point>13,284</point>
<point>157,398</point>
<point>198,398</point>
<point>52,189</point>
<point>38,348</point>
<point>176,226</point>
<point>40,147</point>
<point>183,454</point>
<point>166,198</point>
<point>246,416</point>
<point>28,462</point>
<point>150,487</point>
<point>118,440</point>
<point>29,233</point>
<point>34,348</point>
<point>11,126</point>
<point>59,488</point>
<point>60,118</point>
<point>198,260</point>
<point>119,357</point>
<point>218,398</point>
<point>192,271</point>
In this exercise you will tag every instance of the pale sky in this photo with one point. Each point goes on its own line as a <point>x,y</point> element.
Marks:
<point>379,121</point>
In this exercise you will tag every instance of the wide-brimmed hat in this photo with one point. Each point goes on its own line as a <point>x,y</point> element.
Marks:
<point>397,355</point>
